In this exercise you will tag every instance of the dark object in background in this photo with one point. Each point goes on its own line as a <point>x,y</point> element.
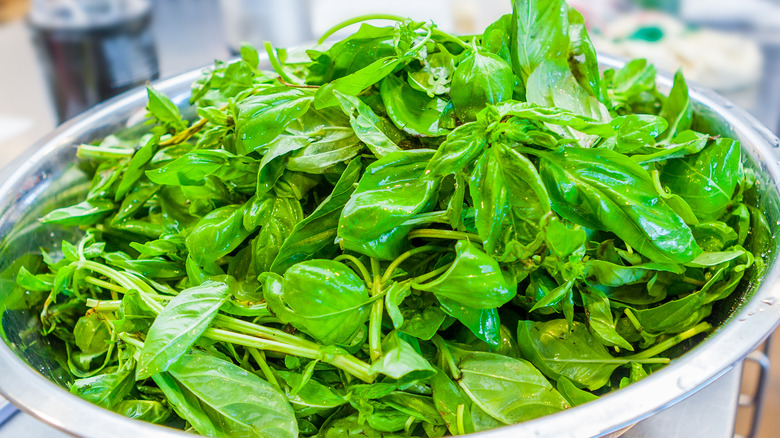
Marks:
<point>92,53</point>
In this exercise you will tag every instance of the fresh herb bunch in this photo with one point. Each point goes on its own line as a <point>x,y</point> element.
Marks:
<point>402,233</point>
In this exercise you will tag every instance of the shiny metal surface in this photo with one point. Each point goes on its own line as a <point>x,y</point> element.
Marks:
<point>45,176</point>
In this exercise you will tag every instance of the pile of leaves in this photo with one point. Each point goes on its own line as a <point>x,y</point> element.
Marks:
<point>404,233</point>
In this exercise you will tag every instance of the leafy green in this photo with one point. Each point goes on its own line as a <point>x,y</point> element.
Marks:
<point>400,233</point>
<point>178,326</point>
<point>321,297</point>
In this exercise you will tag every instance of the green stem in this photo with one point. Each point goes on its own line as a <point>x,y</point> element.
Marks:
<point>417,281</point>
<point>356,20</point>
<point>400,259</point>
<point>145,291</point>
<point>185,135</point>
<point>348,363</point>
<point>132,341</point>
<point>659,187</point>
<point>361,267</point>
<point>259,357</point>
<point>375,318</point>
<point>432,217</point>
<point>671,342</point>
<point>104,306</point>
<point>444,234</point>
<point>104,284</point>
<point>631,318</point>
<point>276,64</point>
<point>248,328</point>
<point>90,151</point>
<point>451,38</point>
<point>447,356</point>
<point>419,45</point>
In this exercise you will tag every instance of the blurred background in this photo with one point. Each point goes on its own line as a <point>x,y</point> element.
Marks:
<point>60,57</point>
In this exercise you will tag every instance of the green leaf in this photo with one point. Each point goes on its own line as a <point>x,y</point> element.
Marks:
<point>399,360</point>
<point>391,191</point>
<point>481,78</point>
<point>561,239</point>
<point>484,323</point>
<point>336,146</point>
<point>192,168</point>
<point>312,396</point>
<point>637,131</point>
<point>202,389</point>
<point>84,213</point>
<point>673,316</point>
<point>422,323</point>
<point>509,390</point>
<point>582,58</point>
<point>263,117</point>
<point>555,116</point>
<point>706,181</point>
<point>707,259</point>
<point>474,280</point>
<point>413,111</point>
<point>678,108</point>
<point>636,77</point>
<point>217,234</point>
<point>367,125</point>
<point>277,224</point>
<point>462,146</point>
<point>573,395</point>
<point>178,326</point>
<point>599,272</point>
<point>105,390</point>
<point>323,298</point>
<point>574,354</point>
<point>540,32</point>
<point>395,295</point>
<point>552,84</point>
<point>601,189</point>
<point>318,230</point>
<point>509,197</point>
<point>92,334</point>
<point>163,110</point>
<point>356,82</point>
<point>350,54</point>
<point>143,410</point>
<point>436,74</point>
<point>600,320</point>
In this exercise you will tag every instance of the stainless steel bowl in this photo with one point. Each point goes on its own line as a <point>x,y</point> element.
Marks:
<point>46,177</point>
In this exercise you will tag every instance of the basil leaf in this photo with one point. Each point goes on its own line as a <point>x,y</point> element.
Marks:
<point>573,353</point>
<point>677,109</point>
<point>367,125</point>
<point>474,280</point>
<point>481,78</point>
<point>399,360</point>
<point>319,229</point>
<point>178,326</point>
<point>323,298</point>
<point>706,181</point>
<point>208,386</point>
<point>462,146</point>
<point>540,32</point>
<point>263,117</point>
<point>84,213</point>
<point>601,189</point>
<point>391,191</point>
<point>413,111</point>
<point>509,390</point>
